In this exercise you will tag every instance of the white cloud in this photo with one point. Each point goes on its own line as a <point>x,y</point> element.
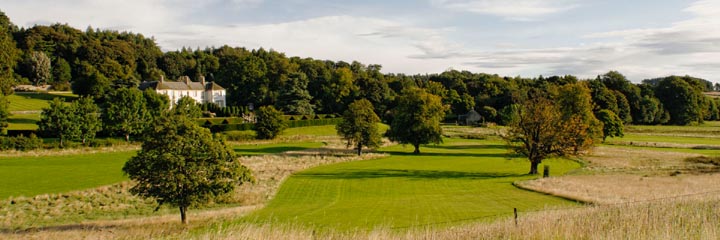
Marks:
<point>517,10</point>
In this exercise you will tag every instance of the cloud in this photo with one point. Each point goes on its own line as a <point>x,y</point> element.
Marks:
<point>516,10</point>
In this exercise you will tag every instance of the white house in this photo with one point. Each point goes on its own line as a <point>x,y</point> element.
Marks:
<point>201,92</point>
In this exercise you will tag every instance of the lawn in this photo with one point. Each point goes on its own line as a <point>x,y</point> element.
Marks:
<point>30,176</point>
<point>458,181</point>
<point>35,101</point>
<point>23,121</point>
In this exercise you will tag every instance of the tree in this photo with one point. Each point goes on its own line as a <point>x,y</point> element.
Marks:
<point>612,124</point>
<point>183,165</point>
<point>87,118</point>
<point>188,107</point>
<point>4,113</point>
<point>9,54</point>
<point>682,101</point>
<point>40,66</point>
<point>359,126</point>
<point>58,120</point>
<point>125,112</point>
<point>294,97</point>
<point>417,119</point>
<point>541,131</point>
<point>155,103</point>
<point>61,75</point>
<point>270,122</point>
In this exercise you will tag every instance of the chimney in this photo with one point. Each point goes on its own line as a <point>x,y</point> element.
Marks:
<point>202,80</point>
<point>162,78</point>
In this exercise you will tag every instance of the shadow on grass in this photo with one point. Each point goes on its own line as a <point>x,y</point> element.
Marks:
<point>22,120</point>
<point>402,173</point>
<point>450,154</point>
<point>267,150</point>
<point>471,146</point>
<point>45,96</point>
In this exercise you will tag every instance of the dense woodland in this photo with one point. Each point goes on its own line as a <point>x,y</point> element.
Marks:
<point>97,62</point>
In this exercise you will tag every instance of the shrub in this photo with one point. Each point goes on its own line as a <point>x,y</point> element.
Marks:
<point>32,142</point>
<point>245,135</point>
<point>270,123</point>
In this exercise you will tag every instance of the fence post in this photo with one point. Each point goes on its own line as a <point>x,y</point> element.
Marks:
<point>515,212</point>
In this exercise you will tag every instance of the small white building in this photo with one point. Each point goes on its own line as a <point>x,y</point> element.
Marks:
<point>201,92</point>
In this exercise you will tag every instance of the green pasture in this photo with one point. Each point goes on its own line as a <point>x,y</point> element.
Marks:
<point>23,121</point>
<point>327,130</point>
<point>30,176</point>
<point>451,183</point>
<point>35,101</point>
<point>649,138</point>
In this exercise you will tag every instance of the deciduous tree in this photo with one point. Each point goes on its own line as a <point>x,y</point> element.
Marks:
<point>183,165</point>
<point>612,124</point>
<point>359,126</point>
<point>125,112</point>
<point>87,118</point>
<point>270,122</point>
<point>188,107</point>
<point>541,131</point>
<point>39,64</point>
<point>59,120</point>
<point>417,119</point>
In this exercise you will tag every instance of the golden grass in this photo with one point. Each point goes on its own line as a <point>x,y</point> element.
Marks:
<point>71,151</point>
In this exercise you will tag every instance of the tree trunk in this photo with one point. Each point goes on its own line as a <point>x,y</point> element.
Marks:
<point>83,140</point>
<point>534,167</point>
<point>183,217</point>
<point>61,141</point>
<point>359,149</point>
<point>417,149</point>
<point>127,137</point>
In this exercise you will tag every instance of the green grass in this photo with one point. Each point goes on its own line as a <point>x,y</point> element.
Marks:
<point>23,121</point>
<point>30,176</point>
<point>262,149</point>
<point>35,101</point>
<point>327,130</point>
<point>709,140</point>
<point>459,181</point>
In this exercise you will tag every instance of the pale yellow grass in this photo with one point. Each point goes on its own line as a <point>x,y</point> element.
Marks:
<point>617,175</point>
<point>124,147</point>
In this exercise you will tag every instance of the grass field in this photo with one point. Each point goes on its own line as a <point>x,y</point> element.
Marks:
<point>459,181</point>
<point>23,121</point>
<point>29,176</point>
<point>35,101</point>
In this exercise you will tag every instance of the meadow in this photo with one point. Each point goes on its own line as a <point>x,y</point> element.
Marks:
<point>36,101</point>
<point>310,186</point>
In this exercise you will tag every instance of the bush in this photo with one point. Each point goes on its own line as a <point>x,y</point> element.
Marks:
<point>22,143</point>
<point>106,142</point>
<point>270,123</point>
<point>239,135</point>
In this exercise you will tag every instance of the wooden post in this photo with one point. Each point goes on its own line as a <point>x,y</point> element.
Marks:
<point>515,212</point>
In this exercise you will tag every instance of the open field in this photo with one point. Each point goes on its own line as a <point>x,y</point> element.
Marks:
<point>21,101</point>
<point>461,189</point>
<point>27,121</point>
<point>459,181</point>
<point>30,176</point>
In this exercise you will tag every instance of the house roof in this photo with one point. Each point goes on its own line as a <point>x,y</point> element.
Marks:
<point>166,85</point>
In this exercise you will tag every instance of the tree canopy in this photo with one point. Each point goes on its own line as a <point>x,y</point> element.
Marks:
<point>183,165</point>
<point>359,126</point>
<point>416,119</point>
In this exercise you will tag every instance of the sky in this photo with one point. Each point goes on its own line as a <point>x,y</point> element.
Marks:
<point>641,38</point>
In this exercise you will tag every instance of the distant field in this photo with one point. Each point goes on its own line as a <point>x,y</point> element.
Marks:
<point>29,176</point>
<point>35,101</point>
<point>23,121</point>
<point>459,181</point>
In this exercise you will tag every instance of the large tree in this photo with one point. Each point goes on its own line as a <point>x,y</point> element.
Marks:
<point>541,131</point>
<point>9,54</point>
<point>87,118</point>
<point>183,165</point>
<point>270,122</point>
<point>125,113</point>
<point>188,107</point>
<point>416,119</point>
<point>612,124</point>
<point>59,120</point>
<point>359,126</point>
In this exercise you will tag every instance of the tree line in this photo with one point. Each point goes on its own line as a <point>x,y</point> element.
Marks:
<point>95,63</point>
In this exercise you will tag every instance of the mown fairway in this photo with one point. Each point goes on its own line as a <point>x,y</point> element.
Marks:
<point>35,101</point>
<point>30,176</point>
<point>456,182</point>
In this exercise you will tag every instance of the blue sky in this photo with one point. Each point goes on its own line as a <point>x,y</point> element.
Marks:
<point>642,39</point>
